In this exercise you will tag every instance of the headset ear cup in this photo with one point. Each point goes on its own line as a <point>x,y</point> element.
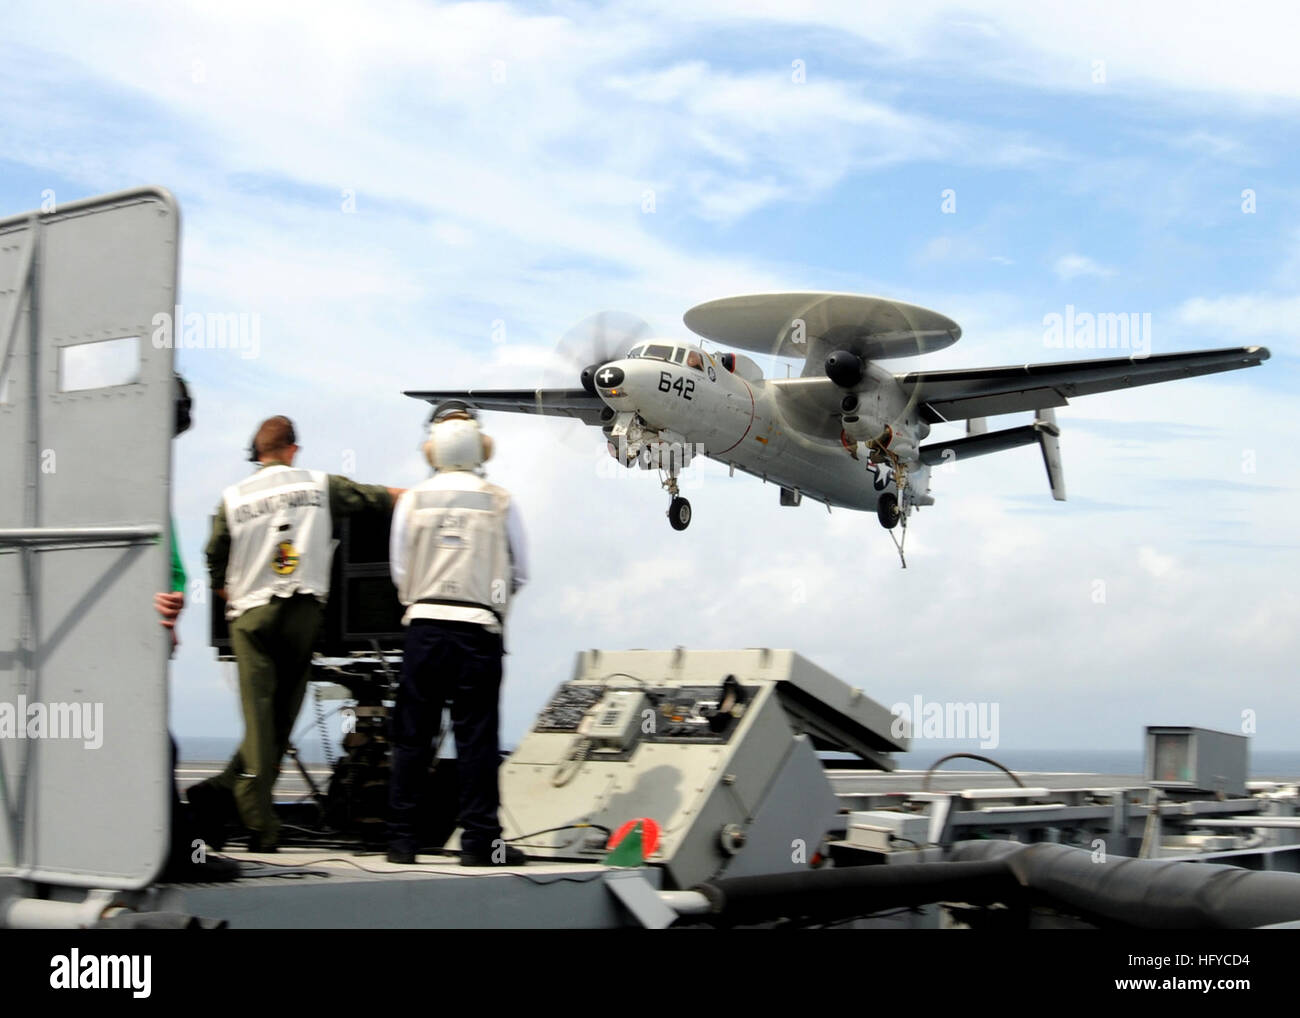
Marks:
<point>488,446</point>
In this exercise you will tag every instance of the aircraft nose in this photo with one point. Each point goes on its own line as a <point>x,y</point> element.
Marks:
<point>602,376</point>
<point>610,383</point>
<point>609,376</point>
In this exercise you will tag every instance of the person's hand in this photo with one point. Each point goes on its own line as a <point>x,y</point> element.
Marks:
<point>169,607</point>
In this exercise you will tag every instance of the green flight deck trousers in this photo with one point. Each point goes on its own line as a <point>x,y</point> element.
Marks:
<point>273,646</point>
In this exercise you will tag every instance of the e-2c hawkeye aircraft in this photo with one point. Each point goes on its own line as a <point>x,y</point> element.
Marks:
<point>847,432</point>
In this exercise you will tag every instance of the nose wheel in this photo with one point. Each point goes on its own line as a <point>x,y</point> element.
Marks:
<point>679,509</point>
<point>679,513</point>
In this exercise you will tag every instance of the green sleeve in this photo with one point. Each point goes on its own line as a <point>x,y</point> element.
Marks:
<point>179,578</point>
<point>218,550</point>
<point>348,497</point>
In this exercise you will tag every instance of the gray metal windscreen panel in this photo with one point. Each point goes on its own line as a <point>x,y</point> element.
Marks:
<point>86,418</point>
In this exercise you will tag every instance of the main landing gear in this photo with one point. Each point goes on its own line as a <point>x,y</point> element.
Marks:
<point>891,512</point>
<point>887,510</point>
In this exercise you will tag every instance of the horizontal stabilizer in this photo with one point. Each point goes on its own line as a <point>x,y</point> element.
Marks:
<point>1043,431</point>
<point>938,453</point>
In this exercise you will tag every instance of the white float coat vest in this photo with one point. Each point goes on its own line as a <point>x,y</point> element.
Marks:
<point>456,549</point>
<point>280,537</point>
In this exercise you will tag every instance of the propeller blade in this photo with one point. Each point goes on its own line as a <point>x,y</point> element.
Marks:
<point>597,339</point>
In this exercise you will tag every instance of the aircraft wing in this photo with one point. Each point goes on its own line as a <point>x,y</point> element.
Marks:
<point>576,403</point>
<point>985,392</point>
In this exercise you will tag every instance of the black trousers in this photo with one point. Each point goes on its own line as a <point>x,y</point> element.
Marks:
<point>457,663</point>
<point>183,835</point>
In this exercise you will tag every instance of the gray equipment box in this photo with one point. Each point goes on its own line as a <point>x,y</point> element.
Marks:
<point>717,747</point>
<point>1185,759</point>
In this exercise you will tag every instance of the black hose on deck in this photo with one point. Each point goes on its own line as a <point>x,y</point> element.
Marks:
<point>1139,893</point>
<point>1145,893</point>
<point>857,890</point>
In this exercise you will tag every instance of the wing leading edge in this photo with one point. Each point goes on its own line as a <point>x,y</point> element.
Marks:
<point>576,403</point>
<point>986,392</point>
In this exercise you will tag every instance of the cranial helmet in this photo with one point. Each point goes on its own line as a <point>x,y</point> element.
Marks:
<point>456,443</point>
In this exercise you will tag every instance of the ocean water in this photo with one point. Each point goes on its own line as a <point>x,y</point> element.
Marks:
<point>1264,763</point>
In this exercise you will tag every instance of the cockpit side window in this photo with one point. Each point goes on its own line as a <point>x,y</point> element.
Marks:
<point>636,351</point>
<point>694,360</point>
<point>678,354</point>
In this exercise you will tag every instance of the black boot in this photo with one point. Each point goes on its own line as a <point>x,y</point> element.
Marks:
<point>259,842</point>
<point>212,809</point>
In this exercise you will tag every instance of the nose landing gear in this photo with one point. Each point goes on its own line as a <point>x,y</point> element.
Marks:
<point>672,460</point>
<point>679,513</point>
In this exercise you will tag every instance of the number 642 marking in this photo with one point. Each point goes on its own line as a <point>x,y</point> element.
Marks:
<point>682,386</point>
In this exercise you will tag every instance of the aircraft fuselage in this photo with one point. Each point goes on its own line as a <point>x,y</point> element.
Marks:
<point>744,424</point>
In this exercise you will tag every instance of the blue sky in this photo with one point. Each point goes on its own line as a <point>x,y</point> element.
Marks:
<point>497,160</point>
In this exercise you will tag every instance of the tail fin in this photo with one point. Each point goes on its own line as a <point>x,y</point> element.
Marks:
<point>1049,440</point>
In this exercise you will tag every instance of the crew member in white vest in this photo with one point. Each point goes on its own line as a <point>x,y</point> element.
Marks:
<point>457,559</point>
<point>269,557</point>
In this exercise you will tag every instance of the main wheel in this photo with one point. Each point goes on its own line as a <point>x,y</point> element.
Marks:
<point>679,513</point>
<point>887,510</point>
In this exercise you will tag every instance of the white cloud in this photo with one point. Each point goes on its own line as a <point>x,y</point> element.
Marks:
<point>1240,53</point>
<point>1204,143</point>
<point>1072,266</point>
<point>1244,317</point>
<point>1154,563</point>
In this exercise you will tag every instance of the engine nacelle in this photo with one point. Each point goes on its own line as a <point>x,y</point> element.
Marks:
<point>867,427</point>
<point>845,369</point>
<point>588,377</point>
<point>864,427</point>
<point>900,443</point>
